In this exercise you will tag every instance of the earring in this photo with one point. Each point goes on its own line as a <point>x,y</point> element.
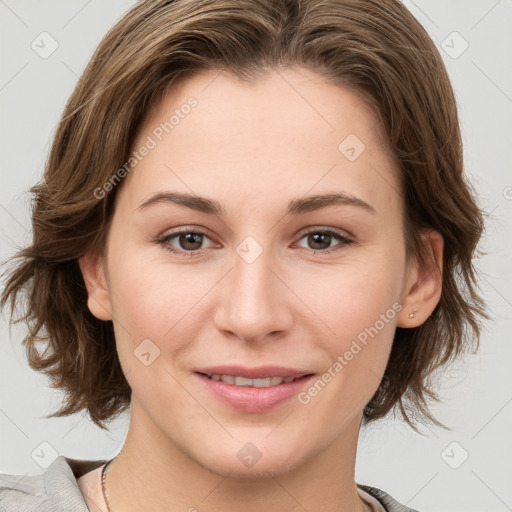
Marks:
<point>411,315</point>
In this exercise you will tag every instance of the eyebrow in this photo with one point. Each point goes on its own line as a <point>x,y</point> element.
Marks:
<point>295,207</point>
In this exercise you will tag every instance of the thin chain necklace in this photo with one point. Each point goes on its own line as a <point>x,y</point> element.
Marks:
<point>104,472</point>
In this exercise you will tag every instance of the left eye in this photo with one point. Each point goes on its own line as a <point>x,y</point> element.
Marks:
<point>326,236</point>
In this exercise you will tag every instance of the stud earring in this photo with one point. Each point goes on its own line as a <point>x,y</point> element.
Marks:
<point>411,315</point>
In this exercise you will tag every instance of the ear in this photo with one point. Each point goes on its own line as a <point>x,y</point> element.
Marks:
<point>424,284</point>
<point>93,272</point>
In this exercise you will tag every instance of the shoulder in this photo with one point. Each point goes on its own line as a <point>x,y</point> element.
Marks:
<point>388,502</point>
<point>55,490</point>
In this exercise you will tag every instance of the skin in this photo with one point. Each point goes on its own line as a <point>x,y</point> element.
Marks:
<point>253,148</point>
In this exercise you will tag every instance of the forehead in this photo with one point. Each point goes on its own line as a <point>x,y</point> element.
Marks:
<point>288,133</point>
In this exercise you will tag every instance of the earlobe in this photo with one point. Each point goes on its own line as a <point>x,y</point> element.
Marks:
<point>93,272</point>
<point>424,286</point>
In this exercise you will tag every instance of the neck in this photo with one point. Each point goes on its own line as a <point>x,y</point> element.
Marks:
<point>153,473</point>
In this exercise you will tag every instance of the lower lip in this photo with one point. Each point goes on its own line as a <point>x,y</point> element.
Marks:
<point>252,399</point>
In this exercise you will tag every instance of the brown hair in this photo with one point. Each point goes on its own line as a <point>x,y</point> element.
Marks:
<point>375,47</point>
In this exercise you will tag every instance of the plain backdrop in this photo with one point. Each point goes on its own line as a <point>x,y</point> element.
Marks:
<point>466,469</point>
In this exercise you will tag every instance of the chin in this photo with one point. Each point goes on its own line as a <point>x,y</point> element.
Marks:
<point>250,463</point>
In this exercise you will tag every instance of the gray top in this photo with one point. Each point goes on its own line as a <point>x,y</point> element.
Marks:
<point>56,490</point>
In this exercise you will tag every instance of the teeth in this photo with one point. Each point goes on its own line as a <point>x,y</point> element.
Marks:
<point>240,381</point>
<point>257,383</point>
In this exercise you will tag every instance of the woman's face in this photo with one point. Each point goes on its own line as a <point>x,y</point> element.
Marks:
<point>267,276</point>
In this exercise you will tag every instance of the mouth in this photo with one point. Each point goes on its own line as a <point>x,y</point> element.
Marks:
<point>253,395</point>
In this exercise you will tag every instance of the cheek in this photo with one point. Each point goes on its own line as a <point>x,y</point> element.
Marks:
<point>156,300</point>
<point>356,348</point>
<point>357,306</point>
<point>153,319</point>
<point>354,294</point>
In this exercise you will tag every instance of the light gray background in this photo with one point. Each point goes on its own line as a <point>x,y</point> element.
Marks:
<point>477,391</point>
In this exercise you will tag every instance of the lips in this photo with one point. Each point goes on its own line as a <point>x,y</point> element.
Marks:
<point>253,398</point>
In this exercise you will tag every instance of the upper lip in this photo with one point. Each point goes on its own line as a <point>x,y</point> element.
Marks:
<point>260,372</point>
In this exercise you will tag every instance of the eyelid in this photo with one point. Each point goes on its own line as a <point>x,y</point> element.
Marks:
<point>184,229</point>
<point>324,229</point>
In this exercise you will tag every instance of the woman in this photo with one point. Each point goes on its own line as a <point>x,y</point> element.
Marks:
<point>255,232</point>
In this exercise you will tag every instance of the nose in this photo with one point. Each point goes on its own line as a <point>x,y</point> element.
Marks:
<point>254,300</point>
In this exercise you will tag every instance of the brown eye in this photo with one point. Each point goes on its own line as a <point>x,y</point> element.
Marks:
<point>190,241</point>
<point>187,243</point>
<point>320,240</point>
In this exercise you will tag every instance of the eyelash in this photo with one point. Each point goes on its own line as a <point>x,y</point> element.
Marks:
<point>164,240</point>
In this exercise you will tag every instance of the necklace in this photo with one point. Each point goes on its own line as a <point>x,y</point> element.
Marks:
<point>104,472</point>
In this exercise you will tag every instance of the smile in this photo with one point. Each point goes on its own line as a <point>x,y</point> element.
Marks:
<point>254,395</point>
<point>257,383</point>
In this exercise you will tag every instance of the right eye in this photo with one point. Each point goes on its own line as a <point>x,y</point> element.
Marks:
<point>188,239</point>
